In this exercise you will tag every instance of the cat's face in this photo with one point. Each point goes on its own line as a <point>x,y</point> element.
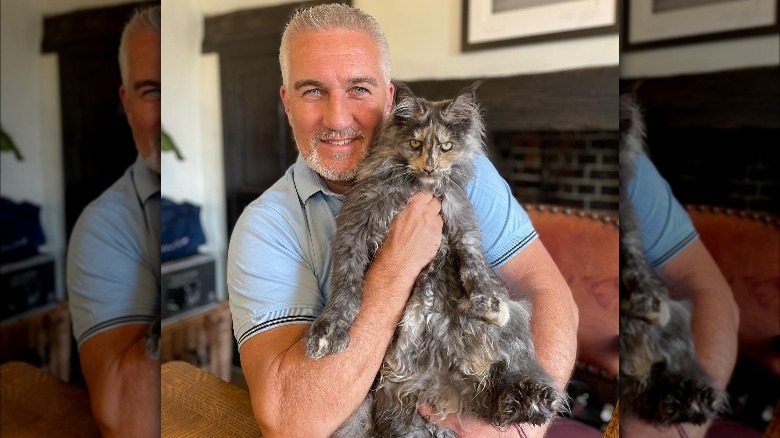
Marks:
<point>432,151</point>
<point>434,140</point>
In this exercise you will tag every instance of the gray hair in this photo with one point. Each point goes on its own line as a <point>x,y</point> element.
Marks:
<point>333,16</point>
<point>143,19</point>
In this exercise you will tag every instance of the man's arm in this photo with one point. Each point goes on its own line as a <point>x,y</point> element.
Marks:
<point>693,275</point>
<point>124,384</point>
<point>293,395</point>
<point>554,318</point>
<point>532,273</point>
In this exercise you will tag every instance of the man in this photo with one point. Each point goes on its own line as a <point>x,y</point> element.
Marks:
<point>113,261</point>
<point>673,249</point>
<point>336,90</point>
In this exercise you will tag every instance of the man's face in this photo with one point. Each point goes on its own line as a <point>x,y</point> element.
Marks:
<point>141,95</point>
<point>335,100</point>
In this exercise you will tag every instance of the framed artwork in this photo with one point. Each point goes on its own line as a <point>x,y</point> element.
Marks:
<point>663,23</point>
<point>501,23</point>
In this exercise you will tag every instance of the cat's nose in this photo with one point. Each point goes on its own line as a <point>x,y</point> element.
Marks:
<point>428,169</point>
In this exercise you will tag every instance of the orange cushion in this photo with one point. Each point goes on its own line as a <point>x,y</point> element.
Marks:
<point>584,246</point>
<point>746,247</point>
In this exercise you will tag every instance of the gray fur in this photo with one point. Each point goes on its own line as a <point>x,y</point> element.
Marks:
<point>462,345</point>
<point>661,379</point>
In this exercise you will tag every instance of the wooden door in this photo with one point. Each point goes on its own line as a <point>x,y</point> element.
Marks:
<point>258,143</point>
<point>96,139</point>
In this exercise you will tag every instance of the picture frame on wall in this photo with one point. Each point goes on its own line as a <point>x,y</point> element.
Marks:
<point>501,23</point>
<point>649,24</point>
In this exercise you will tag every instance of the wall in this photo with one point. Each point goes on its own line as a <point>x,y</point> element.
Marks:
<point>694,150</point>
<point>573,169</point>
<point>424,38</point>
<point>702,58</point>
<point>191,115</point>
<point>30,109</point>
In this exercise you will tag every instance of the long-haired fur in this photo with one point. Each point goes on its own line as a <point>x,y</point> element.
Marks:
<point>462,345</point>
<point>661,380</point>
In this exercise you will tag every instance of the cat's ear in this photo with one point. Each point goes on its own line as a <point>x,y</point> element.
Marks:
<point>405,104</point>
<point>402,91</point>
<point>630,112</point>
<point>465,105</point>
<point>631,88</point>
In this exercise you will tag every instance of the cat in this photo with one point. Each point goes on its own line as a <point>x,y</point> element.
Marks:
<point>661,379</point>
<point>462,345</point>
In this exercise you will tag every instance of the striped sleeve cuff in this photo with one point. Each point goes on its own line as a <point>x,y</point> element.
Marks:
<point>514,249</point>
<point>276,322</point>
<point>665,257</point>
<point>105,325</point>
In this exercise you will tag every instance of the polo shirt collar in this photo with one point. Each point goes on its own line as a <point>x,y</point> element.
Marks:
<point>308,182</point>
<point>146,181</point>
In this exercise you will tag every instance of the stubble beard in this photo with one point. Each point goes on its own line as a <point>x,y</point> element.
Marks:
<point>152,159</point>
<point>314,161</point>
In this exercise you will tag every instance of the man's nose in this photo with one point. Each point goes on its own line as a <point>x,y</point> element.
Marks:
<point>338,115</point>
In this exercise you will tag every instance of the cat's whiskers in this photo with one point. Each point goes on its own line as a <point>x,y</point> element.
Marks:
<point>379,176</point>
<point>454,182</point>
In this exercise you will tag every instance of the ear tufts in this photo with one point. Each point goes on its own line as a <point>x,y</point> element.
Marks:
<point>405,103</point>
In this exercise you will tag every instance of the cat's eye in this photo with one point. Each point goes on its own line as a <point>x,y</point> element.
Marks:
<point>447,145</point>
<point>415,143</point>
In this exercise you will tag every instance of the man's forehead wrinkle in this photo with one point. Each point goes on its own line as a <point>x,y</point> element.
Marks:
<point>362,80</point>
<point>308,82</point>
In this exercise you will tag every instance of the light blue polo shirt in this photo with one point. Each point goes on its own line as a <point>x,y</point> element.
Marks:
<point>279,257</point>
<point>665,226</point>
<point>113,261</point>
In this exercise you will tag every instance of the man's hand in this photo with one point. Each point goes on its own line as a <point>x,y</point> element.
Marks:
<point>415,233</point>
<point>468,425</point>
<point>633,426</point>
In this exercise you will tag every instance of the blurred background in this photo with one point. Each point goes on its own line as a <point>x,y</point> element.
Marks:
<point>65,140</point>
<point>708,78</point>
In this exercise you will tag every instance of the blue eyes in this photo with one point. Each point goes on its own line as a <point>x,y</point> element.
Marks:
<point>151,93</point>
<point>359,91</point>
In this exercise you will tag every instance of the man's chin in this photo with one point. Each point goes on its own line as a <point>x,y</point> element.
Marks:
<point>330,172</point>
<point>153,162</point>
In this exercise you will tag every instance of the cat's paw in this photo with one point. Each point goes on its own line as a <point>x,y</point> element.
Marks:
<point>529,401</point>
<point>688,401</point>
<point>326,338</point>
<point>652,308</point>
<point>490,308</point>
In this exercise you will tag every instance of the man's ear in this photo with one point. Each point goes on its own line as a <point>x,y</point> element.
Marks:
<point>285,99</point>
<point>123,98</point>
<point>389,101</point>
